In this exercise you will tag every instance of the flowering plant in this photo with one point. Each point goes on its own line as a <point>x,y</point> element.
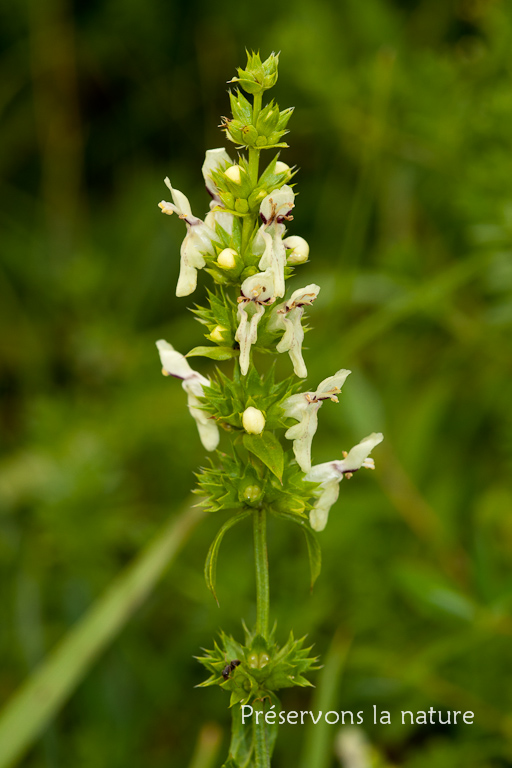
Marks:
<point>244,246</point>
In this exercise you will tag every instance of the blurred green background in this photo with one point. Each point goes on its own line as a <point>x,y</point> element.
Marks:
<point>402,132</point>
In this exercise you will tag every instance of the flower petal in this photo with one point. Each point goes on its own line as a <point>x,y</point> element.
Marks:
<point>274,259</point>
<point>181,204</point>
<point>302,435</point>
<point>357,455</point>
<point>277,205</point>
<point>259,287</point>
<point>330,474</point>
<point>175,364</point>
<point>247,332</point>
<point>191,260</point>
<point>215,159</point>
<point>292,339</point>
<point>319,515</point>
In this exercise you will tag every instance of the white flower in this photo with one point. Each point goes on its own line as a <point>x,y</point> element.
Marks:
<point>304,409</point>
<point>300,249</point>
<point>216,216</point>
<point>198,240</point>
<point>253,421</point>
<point>330,474</point>
<point>215,160</point>
<point>257,291</point>
<point>274,258</point>
<point>277,205</point>
<point>288,317</point>
<point>176,364</point>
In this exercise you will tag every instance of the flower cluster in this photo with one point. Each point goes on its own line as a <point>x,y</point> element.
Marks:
<point>244,245</point>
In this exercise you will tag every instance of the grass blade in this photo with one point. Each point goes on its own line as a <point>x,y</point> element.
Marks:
<point>44,693</point>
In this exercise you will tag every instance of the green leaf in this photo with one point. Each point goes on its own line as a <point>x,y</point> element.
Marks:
<point>210,566</point>
<point>314,550</point>
<point>268,449</point>
<point>240,749</point>
<point>214,353</point>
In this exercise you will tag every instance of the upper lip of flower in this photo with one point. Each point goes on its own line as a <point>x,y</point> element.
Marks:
<point>214,159</point>
<point>276,206</point>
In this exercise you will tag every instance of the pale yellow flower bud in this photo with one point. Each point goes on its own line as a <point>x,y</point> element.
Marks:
<point>281,167</point>
<point>253,421</point>
<point>300,249</point>
<point>233,173</point>
<point>227,258</point>
<point>218,333</point>
<point>252,493</point>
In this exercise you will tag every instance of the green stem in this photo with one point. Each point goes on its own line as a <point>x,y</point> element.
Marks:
<point>262,581</point>
<point>261,755</point>
<point>247,228</point>
<point>254,154</point>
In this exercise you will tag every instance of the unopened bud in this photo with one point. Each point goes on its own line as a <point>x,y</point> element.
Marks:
<point>241,205</point>
<point>253,421</point>
<point>282,167</point>
<point>300,249</point>
<point>251,493</point>
<point>218,333</point>
<point>233,173</point>
<point>256,197</point>
<point>250,134</point>
<point>227,258</point>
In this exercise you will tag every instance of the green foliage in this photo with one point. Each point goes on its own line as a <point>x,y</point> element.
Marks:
<point>226,399</point>
<point>258,76</point>
<point>314,551</point>
<point>268,449</point>
<point>264,667</point>
<point>210,568</point>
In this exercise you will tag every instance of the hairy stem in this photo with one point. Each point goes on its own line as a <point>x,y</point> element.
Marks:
<point>261,755</point>
<point>261,563</point>
<point>254,154</point>
<point>247,228</point>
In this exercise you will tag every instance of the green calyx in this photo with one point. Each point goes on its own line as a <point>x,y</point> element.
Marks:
<point>252,126</point>
<point>258,76</point>
<point>264,667</point>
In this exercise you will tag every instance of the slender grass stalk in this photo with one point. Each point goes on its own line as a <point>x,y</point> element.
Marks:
<point>42,696</point>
